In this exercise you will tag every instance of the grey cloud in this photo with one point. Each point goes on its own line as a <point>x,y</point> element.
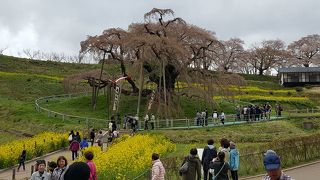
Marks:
<point>60,25</point>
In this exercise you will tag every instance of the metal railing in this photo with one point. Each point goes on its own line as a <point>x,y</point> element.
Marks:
<point>96,122</point>
<point>292,154</point>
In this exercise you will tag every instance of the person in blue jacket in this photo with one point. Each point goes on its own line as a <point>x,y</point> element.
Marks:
<point>234,161</point>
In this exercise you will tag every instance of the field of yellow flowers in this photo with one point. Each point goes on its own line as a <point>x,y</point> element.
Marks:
<point>35,146</point>
<point>129,157</point>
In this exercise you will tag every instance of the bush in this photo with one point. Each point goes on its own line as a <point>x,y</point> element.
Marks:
<point>299,89</point>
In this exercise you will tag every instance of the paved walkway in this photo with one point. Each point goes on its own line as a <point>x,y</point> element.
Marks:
<point>303,172</point>
<point>7,174</point>
<point>22,175</point>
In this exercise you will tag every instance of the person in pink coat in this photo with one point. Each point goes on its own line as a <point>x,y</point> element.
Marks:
<point>74,148</point>
<point>158,171</point>
<point>93,170</point>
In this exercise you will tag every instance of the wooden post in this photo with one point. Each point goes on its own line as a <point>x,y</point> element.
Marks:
<point>13,174</point>
<point>32,169</point>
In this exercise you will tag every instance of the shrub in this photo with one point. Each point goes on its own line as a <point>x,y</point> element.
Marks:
<point>299,89</point>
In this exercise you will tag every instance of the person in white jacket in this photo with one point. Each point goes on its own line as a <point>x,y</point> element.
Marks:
<point>158,171</point>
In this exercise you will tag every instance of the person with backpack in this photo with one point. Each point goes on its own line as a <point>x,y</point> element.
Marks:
<point>234,161</point>
<point>191,166</point>
<point>60,170</point>
<point>209,152</point>
<point>74,148</point>
<point>158,171</point>
<point>219,168</point>
<point>225,144</point>
<point>22,159</point>
<point>93,170</point>
<point>71,136</point>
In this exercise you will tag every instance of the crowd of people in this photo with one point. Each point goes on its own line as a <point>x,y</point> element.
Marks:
<point>218,164</point>
<point>242,113</point>
<point>60,170</point>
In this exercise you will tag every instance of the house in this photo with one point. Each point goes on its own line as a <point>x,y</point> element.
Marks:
<point>299,76</point>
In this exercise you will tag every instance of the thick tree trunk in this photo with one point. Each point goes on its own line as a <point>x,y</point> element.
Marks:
<point>135,89</point>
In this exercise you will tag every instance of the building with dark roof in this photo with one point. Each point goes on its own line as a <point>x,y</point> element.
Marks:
<point>299,76</point>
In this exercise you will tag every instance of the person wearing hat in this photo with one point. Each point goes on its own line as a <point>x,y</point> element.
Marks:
<point>41,174</point>
<point>272,164</point>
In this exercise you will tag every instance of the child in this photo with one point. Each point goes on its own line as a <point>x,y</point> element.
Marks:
<point>93,171</point>
<point>22,159</point>
<point>84,143</point>
<point>41,174</point>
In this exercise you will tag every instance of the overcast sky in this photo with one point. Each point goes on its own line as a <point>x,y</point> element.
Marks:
<point>60,25</point>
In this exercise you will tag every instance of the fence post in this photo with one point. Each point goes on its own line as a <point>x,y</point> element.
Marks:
<point>13,174</point>
<point>35,144</point>
<point>188,122</point>
<point>305,151</point>
<point>171,122</point>
<point>307,110</point>
<point>87,122</point>
<point>32,169</point>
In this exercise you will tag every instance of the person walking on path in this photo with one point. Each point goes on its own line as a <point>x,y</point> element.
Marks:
<point>84,143</point>
<point>272,164</point>
<point>22,159</point>
<point>60,170</point>
<point>158,171</point>
<point>71,136</point>
<point>222,117</point>
<point>99,138</point>
<point>74,148</point>
<point>93,170</point>
<point>92,136</point>
<point>225,144</point>
<point>234,161</point>
<point>194,166</point>
<point>220,167</point>
<point>153,121</point>
<point>77,137</point>
<point>209,152</point>
<point>41,174</point>
<point>146,122</point>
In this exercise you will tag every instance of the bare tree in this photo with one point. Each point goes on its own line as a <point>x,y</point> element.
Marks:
<point>163,49</point>
<point>31,54</point>
<point>267,54</point>
<point>228,56</point>
<point>3,49</point>
<point>306,49</point>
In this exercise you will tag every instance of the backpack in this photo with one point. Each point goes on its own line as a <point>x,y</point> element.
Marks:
<point>70,138</point>
<point>184,168</point>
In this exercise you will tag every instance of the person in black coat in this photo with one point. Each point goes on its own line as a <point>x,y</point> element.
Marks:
<point>208,154</point>
<point>220,167</point>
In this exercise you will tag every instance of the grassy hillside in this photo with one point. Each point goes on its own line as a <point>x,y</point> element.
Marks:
<point>24,80</point>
